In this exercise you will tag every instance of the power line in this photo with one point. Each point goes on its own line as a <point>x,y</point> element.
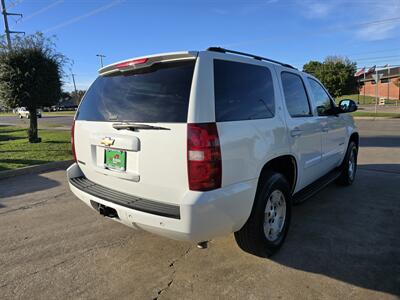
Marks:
<point>6,28</point>
<point>396,19</point>
<point>84,16</point>
<point>377,57</point>
<point>14,3</point>
<point>43,9</point>
<point>373,52</point>
<point>310,33</point>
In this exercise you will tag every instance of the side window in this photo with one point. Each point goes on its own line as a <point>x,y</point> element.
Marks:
<point>242,91</point>
<point>321,98</point>
<point>295,95</point>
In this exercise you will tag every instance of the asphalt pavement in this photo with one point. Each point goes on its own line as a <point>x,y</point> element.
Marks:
<point>47,121</point>
<point>344,243</point>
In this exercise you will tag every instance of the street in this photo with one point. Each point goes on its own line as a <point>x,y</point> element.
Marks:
<point>47,121</point>
<point>343,243</point>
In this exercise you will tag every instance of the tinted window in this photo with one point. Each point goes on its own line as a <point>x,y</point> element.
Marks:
<point>321,98</point>
<point>295,95</point>
<point>242,91</point>
<point>156,94</point>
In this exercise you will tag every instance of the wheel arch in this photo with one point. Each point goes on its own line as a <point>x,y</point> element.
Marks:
<point>355,137</point>
<point>284,164</point>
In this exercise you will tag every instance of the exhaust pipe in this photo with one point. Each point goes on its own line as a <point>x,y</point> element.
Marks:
<point>104,210</point>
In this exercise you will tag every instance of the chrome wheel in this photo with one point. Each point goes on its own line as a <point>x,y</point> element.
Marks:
<point>275,214</point>
<point>352,165</point>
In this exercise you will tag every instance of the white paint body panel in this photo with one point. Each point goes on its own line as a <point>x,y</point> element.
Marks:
<point>157,159</point>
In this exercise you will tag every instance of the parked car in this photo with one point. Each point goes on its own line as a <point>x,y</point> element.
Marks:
<point>193,145</point>
<point>22,112</point>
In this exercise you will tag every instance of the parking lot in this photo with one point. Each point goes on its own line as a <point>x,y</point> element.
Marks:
<point>343,243</point>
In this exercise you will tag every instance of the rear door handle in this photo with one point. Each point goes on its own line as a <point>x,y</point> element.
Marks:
<point>296,132</point>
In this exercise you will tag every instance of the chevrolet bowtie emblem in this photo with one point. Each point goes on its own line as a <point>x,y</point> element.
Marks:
<point>107,141</point>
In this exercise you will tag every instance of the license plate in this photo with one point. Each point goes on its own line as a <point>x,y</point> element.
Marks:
<point>115,159</point>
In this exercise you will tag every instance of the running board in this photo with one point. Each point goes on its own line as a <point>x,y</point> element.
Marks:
<point>316,186</point>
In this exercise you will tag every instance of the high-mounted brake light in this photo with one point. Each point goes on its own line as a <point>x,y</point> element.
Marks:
<point>203,157</point>
<point>73,140</point>
<point>131,63</point>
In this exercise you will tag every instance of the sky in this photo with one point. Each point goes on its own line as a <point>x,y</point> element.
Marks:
<point>291,31</point>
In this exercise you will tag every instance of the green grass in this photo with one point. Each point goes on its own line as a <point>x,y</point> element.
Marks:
<point>17,152</point>
<point>378,114</point>
<point>4,114</point>
<point>367,100</point>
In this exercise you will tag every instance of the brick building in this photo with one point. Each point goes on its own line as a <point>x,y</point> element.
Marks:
<point>386,88</point>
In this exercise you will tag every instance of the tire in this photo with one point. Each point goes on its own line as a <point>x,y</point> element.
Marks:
<point>349,166</point>
<point>251,237</point>
<point>20,116</point>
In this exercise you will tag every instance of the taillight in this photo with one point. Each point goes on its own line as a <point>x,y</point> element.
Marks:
<point>131,63</point>
<point>73,140</point>
<point>204,157</point>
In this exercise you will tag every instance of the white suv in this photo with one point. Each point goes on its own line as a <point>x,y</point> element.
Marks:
<point>193,145</point>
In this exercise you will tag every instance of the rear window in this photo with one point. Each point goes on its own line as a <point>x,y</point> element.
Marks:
<point>242,91</point>
<point>156,94</point>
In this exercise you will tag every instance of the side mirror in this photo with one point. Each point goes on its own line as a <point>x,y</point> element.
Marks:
<point>347,106</point>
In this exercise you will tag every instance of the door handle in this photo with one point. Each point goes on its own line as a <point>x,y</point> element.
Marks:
<point>296,132</point>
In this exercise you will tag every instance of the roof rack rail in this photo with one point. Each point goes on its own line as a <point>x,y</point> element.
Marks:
<point>223,50</point>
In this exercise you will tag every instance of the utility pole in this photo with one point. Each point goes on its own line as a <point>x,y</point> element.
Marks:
<point>73,80</point>
<point>377,76</point>
<point>101,58</point>
<point>364,89</point>
<point>76,92</point>
<point>6,28</point>
<point>388,83</point>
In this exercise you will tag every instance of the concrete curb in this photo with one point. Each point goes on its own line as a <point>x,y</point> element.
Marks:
<point>36,169</point>
<point>375,118</point>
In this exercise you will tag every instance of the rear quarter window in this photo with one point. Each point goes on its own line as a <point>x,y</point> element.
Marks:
<point>157,94</point>
<point>296,97</point>
<point>242,91</point>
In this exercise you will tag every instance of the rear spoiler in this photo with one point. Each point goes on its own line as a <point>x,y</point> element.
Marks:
<point>146,61</point>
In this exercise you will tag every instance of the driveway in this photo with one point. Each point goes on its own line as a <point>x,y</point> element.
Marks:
<point>343,243</point>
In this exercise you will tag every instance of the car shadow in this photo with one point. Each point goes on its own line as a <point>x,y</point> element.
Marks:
<point>350,233</point>
<point>27,162</point>
<point>24,184</point>
<point>380,141</point>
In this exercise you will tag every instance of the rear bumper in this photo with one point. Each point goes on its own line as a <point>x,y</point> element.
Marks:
<point>200,216</point>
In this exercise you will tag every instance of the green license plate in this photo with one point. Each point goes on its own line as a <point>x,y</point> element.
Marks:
<point>115,159</point>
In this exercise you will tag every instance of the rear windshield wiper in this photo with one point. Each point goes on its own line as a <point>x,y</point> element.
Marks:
<point>136,126</point>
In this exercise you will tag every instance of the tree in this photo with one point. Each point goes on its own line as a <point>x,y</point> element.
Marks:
<point>336,74</point>
<point>30,75</point>
<point>313,67</point>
